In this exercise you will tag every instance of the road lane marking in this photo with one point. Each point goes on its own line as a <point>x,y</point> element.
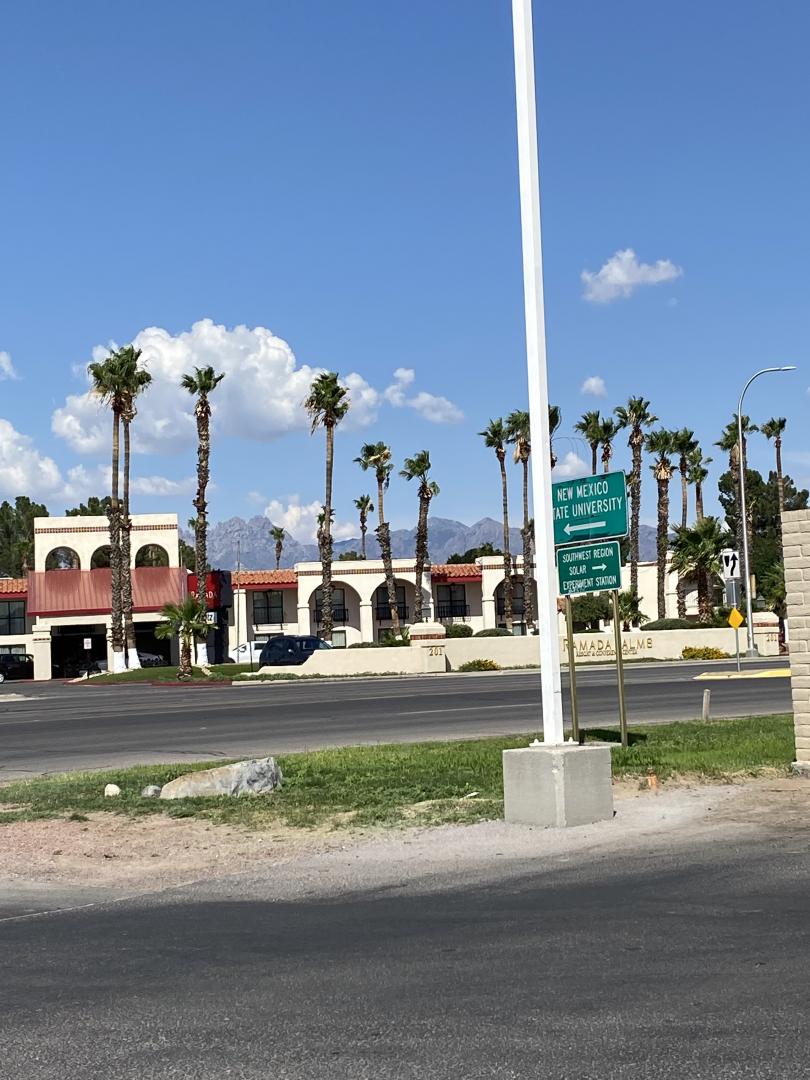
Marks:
<point>759,673</point>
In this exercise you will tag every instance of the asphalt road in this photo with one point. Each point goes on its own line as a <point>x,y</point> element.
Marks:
<point>660,962</point>
<point>51,727</point>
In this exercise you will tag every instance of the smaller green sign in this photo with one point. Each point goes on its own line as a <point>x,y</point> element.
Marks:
<point>589,568</point>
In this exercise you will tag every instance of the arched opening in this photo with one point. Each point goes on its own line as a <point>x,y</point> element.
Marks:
<point>101,558</point>
<point>518,604</point>
<point>345,614</point>
<point>151,555</point>
<point>406,594</point>
<point>62,558</point>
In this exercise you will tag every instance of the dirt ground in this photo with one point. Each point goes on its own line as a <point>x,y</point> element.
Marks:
<point>155,852</point>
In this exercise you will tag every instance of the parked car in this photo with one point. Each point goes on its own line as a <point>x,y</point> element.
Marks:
<point>150,659</point>
<point>248,652</point>
<point>290,649</point>
<point>16,666</point>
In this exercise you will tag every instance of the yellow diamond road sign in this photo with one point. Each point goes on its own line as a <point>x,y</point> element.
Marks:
<point>735,619</point>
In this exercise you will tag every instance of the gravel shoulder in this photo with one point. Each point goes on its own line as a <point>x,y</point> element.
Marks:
<point>51,865</point>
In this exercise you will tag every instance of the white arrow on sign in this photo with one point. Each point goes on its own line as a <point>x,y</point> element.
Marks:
<point>583,528</point>
<point>602,567</point>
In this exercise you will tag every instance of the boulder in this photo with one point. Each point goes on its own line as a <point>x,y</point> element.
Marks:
<point>151,791</point>
<point>112,790</point>
<point>260,777</point>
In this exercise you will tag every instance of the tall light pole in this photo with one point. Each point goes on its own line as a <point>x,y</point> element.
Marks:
<point>749,617</point>
<point>538,375</point>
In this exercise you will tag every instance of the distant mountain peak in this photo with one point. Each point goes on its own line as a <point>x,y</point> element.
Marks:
<point>446,537</point>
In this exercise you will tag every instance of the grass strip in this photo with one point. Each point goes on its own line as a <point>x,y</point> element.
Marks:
<point>416,783</point>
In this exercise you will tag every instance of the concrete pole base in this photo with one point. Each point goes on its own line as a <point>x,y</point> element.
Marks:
<point>557,786</point>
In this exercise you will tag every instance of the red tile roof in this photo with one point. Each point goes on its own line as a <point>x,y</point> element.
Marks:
<point>87,592</point>
<point>13,586</point>
<point>444,572</point>
<point>255,579</point>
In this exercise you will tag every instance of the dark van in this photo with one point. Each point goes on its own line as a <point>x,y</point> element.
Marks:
<point>290,649</point>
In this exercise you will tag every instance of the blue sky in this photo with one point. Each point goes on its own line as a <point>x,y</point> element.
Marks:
<point>344,178</point>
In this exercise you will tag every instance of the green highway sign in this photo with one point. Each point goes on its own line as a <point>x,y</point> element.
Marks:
<point>593,508</point>
<point>589,568</point>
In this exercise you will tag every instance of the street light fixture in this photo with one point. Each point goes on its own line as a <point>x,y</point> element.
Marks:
<point>749,618</point>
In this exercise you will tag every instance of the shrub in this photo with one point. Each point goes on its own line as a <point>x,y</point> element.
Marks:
<point>459,630</point>
<point>493,633</point>
<point>480,665</point>
<point>670,624</point>
<point>703,652</point>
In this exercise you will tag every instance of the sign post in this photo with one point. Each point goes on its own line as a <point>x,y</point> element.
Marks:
<point>572,668</point>
<point>617,633</point>
<point>735,620</point>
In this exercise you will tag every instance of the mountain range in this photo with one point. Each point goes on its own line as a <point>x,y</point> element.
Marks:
<point>447,537</point>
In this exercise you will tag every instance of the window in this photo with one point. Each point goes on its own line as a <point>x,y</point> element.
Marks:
<point>12,650</point>
<point>383,608</point>
<point>451,601</point>
<point>338,605</point>
<point>338,639</point>
<point>12,617</point>
<point>268,607</point>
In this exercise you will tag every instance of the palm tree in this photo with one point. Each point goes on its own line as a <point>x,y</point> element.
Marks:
<point>200,384</point>
<point>554,421</point>
<point>660,443</point>
<point>377,457</point>
<point>364,507</point>
<point>729,441</point>
<point>185,620</point>
<point>683,444</point>
<point>518,432</point>
<point>278,535</point>
<point>608,430</point>
<point>630,612</point>
<point>108,381</point>
<point>590,428</point>
<point>494,436</point>
<point>636,416</point>
<point>697,474</point>
<point>327,404</point>
<point>696,553</point>
<point>136,381</point>
<point>773,429</point>
<point>417,468</point>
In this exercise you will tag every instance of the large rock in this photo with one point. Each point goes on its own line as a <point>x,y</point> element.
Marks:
<point>244,778</point>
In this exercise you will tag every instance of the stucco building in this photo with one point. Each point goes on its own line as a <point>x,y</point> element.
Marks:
<point>60,613</point>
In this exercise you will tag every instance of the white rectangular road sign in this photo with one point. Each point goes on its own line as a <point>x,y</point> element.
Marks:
<point>729,563</point>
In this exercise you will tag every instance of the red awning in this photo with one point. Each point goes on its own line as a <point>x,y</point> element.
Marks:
<point>87,592</point>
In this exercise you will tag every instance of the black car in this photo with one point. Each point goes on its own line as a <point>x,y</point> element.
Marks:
<point>16,666</point>
<point>289,649</point>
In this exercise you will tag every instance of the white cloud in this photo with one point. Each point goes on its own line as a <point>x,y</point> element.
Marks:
<point>438,410</point>
<point>301,520</point>
<point>571,465</point>
<point>23,470</point>
<point>595,386</point>
<point>622,274</point>
<point>260,398</point>
<point>6,367</point>
<point>256,498</point>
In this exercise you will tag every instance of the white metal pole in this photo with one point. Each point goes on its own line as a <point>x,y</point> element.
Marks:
<point>537,373</point>
<point>749,617</point>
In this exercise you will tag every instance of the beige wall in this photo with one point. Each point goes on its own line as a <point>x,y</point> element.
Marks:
<point>796,548</point>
